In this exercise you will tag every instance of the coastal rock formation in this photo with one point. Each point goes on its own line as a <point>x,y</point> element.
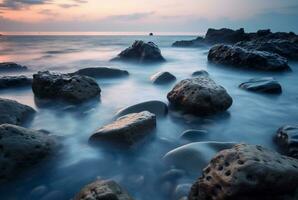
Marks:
<point>162,78</point>
<point>127,129</point>
<point>200,95</point>
<point>10,66</point>
<point>103,190</point>
<point>141,52</point>
<point>21,148</point>
<point>13,112</point>
<point>74,89</point>
<point>224,35</point>
<point>251,59</point>
<point>158,108</point>
<point>101,72</point>
<point>246,172</point>
<point>200,73</point>
<point>14,81</point>
<point>264,85</point>
<point>287,140</point>
<point>198,42</point>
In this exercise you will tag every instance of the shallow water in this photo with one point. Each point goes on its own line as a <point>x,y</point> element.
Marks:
<point>253,118</point>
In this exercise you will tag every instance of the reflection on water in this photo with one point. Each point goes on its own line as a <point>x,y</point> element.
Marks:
<point>253,118</point>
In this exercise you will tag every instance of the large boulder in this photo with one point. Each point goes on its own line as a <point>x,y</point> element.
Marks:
<point>101,72</point>
<point>287,140</point>
<point>264,85</point>
<point>251,59</point>
<point>14,81</point>
<point>247,172</point>
<point>13,112</point>
<point>198,42</point>
<point>20,148</point>
<point>74,88</point>
<point>225,35</point>
<point>200,95</point>
<point>126,130</point>
<point>10,66</point>
<point>103,190</point>
<point>141,52</point>
<point>162,78</point>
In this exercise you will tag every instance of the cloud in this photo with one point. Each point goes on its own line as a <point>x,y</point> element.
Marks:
<point>68,5</point>
<point>130,17</point>
<point>18,4</point>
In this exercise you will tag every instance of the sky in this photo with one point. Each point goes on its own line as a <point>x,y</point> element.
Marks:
<point>146,15</point>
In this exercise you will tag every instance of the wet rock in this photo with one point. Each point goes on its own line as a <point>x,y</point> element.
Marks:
<point>181,191</point>
<point>193,134</point>
<point>127,129</point>
<point>10,66</point>
<point>14,81</point>
<point>101,72</point>
<point>200,95</point>
<point>287,140</point>
<point>158,108</point>
<point>198,42</point>
<point>251,59</point>
<point>13,112</point>
<point>264,85</point>
<point>224,35</point>
<point>20,148</point>
<point>200,73</point>
<point>247,172</point>
<point>194,156</point>
<point>74,89</point>
<point>103,190</point>
<point>141,52</point>
<point>162,78</point>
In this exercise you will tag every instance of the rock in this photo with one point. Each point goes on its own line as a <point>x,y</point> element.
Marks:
<point>54,195</point>
<point>264,85</point>
<point>141,52</point>
<point>162,78</point>
<point>200,73</point>
<point>21,148</point>
<point>74,89</point>
<point>193,134</point>
<point>225,35</point>
<point>198,42</point>
<point>200,95</point>
<point>101,72</point>
<point>263,32</point>
<point>13,112</point>
<point>172,175</point>
<point>194,156</point>
<point>246,172</point>
<point>127,129</point>
<point>14,81</point>
<point>103,190</point>
<point>181,190</point>
<point>287,140</point>
<point>10,66</point>
<point>150,34</point>
<point>158,108</point>
<point>251,59</point>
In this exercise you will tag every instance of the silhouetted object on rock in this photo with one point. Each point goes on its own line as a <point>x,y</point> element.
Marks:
<point>287,140</point>
<point>264,85</point>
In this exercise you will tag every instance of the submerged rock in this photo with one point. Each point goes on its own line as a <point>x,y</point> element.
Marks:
<point>264,85</point>
<point>246,172</point>
<point>193,134</point>
<point>103,190</point>
<point>162,78</point>
<point>251,59</point>
<point>287,140</point>
<point>10,66</point>
<point>127,129</point>
<point>14,81</point>
<point>158,108</point>
<point>74,89</point>
<point>141,52</point>
<point>200,73</point>
<point>101,72</point>
<point>13,112</point>
<point>21,148</point>
<point>200,95</point>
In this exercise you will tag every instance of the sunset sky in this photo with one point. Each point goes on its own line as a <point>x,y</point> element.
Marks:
<point>146,15</point>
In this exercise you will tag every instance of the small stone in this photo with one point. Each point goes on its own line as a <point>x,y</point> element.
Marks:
<point>263,85</point>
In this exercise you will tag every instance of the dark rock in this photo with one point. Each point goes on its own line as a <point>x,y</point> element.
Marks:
<point>224,35</point>
<point>264,85</point>
<point>287,140</point>
<point>158,108</point>
<point>198,42</point>
<point>246,172</point>
<point>240,57</point>
<point>150,34</point>
<point>13,112</point>
<point>263,32</point>
<point>193,134</point>
<point>10,66</point>
<point>101,72</point>
<point>162,78</point>
<point>141,52</point>
<point>74,89</point>
<point>21,148</point>
<point>200,95</point>
<point>14,81</point>
<point>200,73</point>
<point>127,129</point>
<point>103,190</point>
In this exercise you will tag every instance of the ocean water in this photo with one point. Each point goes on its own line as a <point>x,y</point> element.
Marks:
<point>253,118</point>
